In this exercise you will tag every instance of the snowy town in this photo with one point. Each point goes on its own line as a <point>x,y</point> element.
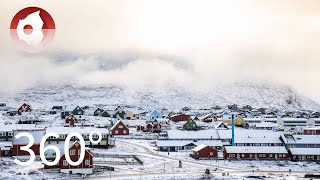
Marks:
<point>227,141</point>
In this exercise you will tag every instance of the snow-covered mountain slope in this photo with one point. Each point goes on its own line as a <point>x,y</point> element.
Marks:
<point>256,94</point>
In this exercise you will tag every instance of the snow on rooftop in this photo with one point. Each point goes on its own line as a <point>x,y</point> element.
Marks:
<point>81,130</point>
<point>175,143</point>
<point>6,128</point>
<point>312,128</point>
<point>203,134</point>
<point>198,148</point>
<point>266,124</point>
<point>304,139</point>
<point>37,135</point>
<point>256,149</point>
<point>305,151</point>
<point>227,134</point>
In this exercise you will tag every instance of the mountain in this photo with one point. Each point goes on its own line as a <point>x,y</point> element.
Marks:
<point>256,94</point>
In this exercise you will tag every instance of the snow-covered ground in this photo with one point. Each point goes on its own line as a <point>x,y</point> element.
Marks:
<point>156,165</point>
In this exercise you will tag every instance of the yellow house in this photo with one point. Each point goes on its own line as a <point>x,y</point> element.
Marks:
<point>129,114</point>
<point>239,121</point>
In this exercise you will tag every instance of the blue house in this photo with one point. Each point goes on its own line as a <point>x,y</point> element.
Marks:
<point>154,114</point>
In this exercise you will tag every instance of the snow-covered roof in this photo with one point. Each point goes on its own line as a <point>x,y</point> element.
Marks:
<point>52,154</point>
<point>168,143</point>
<point>266,124</point>
<point>203,134</point>
<point>312,128</point>
<point>36,133</point>
<point>206,116</point>
<point>116,124</point>
<point>303,139</point>
<point>217,124</point>
<point>81,130</point>
<point>198,148</point>
<point>7,128</point>
<point>227,134</point>
<point>294,119</point>
<point>305,151</point>
<point>256,149</point>
<point>266,139</point>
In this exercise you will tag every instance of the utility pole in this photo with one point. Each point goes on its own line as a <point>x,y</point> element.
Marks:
<point>232,129</point>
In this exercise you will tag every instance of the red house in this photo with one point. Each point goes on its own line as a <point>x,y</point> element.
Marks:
<point>204,152</point>
<point>24,108</point>
<point>140,128</point>
<point>153,128</point>
<point>71,120</point>
<point>23,141</point>
<point>86,167</point>
<point>119,128</point>
<point>180,117</point>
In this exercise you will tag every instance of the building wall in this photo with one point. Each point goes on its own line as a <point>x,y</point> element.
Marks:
<point>311,132</point>
<point>262,156</point>
<point>305,157</point>
<point>17,152</point>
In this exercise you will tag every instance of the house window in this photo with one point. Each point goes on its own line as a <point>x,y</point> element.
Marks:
<point>124,131</point>
<point>242,155</point>
<point>270,155</point>
<point>280,155</point>
<point>65,163</point>
<point>251,155</point>
<point>87,162</point>
<point>116,132</point>
<point>72,152</point>
<point>120,126</point>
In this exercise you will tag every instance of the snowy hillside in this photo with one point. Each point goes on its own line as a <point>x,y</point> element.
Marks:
<point>171,97</point>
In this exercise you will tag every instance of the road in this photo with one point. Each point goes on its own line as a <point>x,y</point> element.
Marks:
<point>151,152</point>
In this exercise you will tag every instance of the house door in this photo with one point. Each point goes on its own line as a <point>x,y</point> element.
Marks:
<point>276,156</point>
<point>238,156</point>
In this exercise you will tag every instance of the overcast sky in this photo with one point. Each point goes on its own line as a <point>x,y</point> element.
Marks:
<point>212,41</point>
